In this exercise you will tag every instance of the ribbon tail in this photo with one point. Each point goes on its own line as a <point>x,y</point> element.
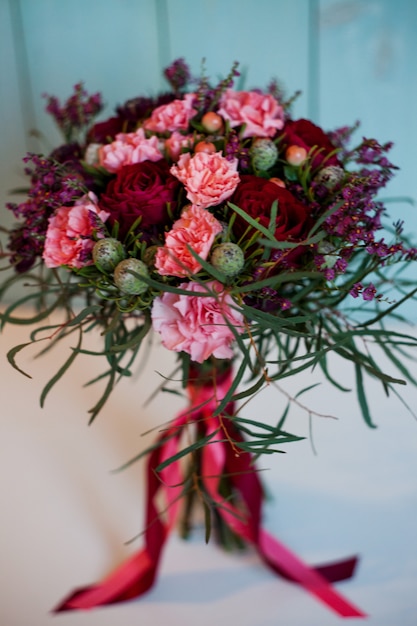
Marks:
<point>340,570</point>
<point>282,559</point>
<point>137,574</point>
<point>131,579</point>
<point>275,554</point>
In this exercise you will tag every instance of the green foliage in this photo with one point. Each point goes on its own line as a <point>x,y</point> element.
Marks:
<point>278,344</point>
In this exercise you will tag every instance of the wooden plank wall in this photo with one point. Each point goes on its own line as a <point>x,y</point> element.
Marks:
<point>352,59</point>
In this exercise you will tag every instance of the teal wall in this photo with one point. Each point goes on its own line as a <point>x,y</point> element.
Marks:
<point>352,59</point>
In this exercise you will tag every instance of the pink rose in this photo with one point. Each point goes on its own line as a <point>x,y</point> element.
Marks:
<point>208,178</point>
<point>195,229</point>
<point>69,238</point>
<point>129,148</point>
<point>175,115</point>
<point>176,143</point>
<point>197,324</point>
<point>261,113</point>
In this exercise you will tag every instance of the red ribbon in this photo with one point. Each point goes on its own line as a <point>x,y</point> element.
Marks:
<point>219,457</point>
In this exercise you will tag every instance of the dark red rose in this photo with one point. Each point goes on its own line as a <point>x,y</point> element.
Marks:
<point>106,131</point>
<point>140,190</point>
<point>307,135</point>
<point>256,195</point>
<point>127,117</point>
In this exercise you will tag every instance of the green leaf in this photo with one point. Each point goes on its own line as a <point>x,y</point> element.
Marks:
<point>12,354</point>
<point>324,217</point>
<point>288,245</point>
<point>360,389</point>
<point>273,218</point>
<point>252,222</point>
<point>207,521</point>
<point>235,383</point>
<point>135,338</point>
<point>200,443</point>
<point>208,267</point>
<point>158,443</point>
<point>390,310</point>
<point>87,312</point>
<point>60,372</point>
<point>6,317</point>
<point>107,391</point>
<point>323,365</point>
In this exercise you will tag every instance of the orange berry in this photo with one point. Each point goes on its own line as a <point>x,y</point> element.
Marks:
<point>212,122</point>
<point>296,155</point>
<point>205,146</point>
<point>277,181</point>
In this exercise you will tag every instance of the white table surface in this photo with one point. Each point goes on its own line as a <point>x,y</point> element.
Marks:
<point>65,516</point>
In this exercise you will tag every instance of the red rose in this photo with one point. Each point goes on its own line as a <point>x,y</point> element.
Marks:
<point>256,195</point>
<point>140,190</point>
<point>102,132</point>
<point>307,135</point>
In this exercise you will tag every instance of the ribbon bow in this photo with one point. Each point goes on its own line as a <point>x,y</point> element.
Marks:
<point>219,457</point>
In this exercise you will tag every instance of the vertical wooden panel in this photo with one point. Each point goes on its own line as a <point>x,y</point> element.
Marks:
<point>13,139</point>
<point>368,71</point>
<point>111,45</point>
<point>269,38</point>
<point>368,53</point>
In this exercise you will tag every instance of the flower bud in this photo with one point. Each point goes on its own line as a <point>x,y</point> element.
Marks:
<point>107,253</point>
<point>91,156</point>
<point>330,176</point>
<point>263,153</point>
<point>228,258</point>
<point>327,249</point>
<point>126,281</point>
<point>149,255</point>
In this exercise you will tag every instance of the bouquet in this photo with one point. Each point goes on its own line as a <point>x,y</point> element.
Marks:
<point>252,244</point>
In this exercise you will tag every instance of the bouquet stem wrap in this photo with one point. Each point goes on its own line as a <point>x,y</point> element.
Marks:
<point>220,457</point>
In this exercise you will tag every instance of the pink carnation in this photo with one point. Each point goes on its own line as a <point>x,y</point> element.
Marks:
<point>69,236</point>
<point>208,178</point>
<point>196,229</point>
<point>261,113</point>
<point>129,148</point>
<point>176,143</point>
<point>175,115</point>
<point>197,324</point>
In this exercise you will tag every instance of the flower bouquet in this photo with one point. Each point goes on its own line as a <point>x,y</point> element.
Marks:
<point>251,243</point>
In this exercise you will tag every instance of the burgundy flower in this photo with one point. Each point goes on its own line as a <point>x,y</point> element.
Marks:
<point>307,135</point>
<point>140,190</point>
<point>256,195</point>
<point>127,118</point>
<point>106,131</point>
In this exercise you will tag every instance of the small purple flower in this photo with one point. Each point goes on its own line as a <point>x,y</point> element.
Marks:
<point>341,265</point>
<point>52,185</point>
<point>329,273</point>
<point>356,290</point>
<point>76,113</point>
<point>369,292</point>
<point>378,247</point>
<point>178,75</point>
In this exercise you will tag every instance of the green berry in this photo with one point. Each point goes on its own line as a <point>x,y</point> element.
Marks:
<point>263,153</point>
<point>330,176</point>
<point>126,281</point>
<point>228,258</point>
<point>107,253</point>
<point>327,249</point>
